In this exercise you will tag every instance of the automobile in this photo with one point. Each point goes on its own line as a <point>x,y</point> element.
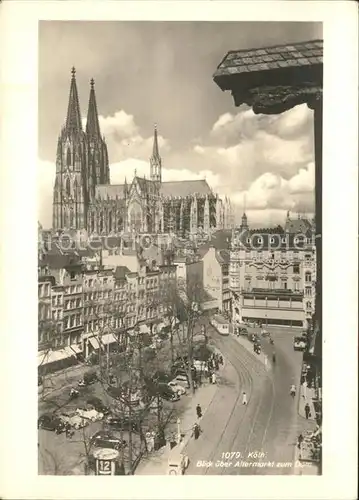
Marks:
<point>181,380</point>
<point>90,378</point>
<point>103,439</point>
<point>299,344</point>
<point>98,405</point>
<point>242,330</point>
<point>165,392</point>
<point>92,415</point>
<point>74,420</point>
<point>176,387</point>
<point>177,463</point>
<point>50,422</point>
<point>123,423</point>
<point>265,333</point>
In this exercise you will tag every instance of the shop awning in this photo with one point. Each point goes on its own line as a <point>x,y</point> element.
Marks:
<point>94,342</point>
<point>76,348</point>
<point>48,357</point>
<point>108,339</point>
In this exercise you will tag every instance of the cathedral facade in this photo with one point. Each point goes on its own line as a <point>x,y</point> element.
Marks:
<point>84,198</point>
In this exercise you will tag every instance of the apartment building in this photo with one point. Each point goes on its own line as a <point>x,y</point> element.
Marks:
<point>216,277</point>
<point>272,277</point>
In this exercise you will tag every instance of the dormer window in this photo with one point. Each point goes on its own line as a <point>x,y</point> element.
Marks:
<point>284,240</point>
<point>260,240</point>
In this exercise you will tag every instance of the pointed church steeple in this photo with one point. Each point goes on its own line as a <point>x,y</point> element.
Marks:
<point>155,160</point>
<point>155,151</point>
<point>92,123</point>
<point>73,119</point>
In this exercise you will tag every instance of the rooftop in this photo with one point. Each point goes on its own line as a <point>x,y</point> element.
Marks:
<point>294,55</point>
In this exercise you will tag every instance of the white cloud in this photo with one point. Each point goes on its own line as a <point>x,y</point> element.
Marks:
<point>304,180</point>
<point>269,159</point>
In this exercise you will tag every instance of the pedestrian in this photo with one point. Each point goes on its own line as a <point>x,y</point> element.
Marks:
<point>221,359</point>
<point>199,411</point>
<point>307,411</point>
<point>196,431</point>
<point>244,398</point>
<point>305,385</point>
<point>292,390</point>
<point>214,378</point>
<point>300,440</point>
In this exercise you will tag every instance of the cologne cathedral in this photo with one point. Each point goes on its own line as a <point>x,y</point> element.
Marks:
<point>84,199</point>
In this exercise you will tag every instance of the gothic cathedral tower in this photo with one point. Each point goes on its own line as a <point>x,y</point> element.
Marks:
<point>155,161</point>
<point>97,160</point>
<point>81,163</point>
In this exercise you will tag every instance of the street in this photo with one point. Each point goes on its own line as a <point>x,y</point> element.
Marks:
<point>239,436</point>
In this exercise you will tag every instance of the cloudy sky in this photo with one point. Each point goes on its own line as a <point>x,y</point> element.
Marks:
<point>161,72</point>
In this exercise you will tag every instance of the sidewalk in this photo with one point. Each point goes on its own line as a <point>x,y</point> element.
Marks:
<point>306,395</point>
<point>247,344</point>
<point>156,462</point>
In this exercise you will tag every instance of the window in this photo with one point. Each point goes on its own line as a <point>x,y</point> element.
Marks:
<point>296,269</point>
<point>285,285</point>
<point>308,291</point>
<point>308,277</point>
<point>296,286</point>
<point>309,305</point>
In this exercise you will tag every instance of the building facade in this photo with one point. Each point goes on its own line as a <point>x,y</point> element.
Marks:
<point>216,277</point>
<point>85,199</point>
<point>272,277</point>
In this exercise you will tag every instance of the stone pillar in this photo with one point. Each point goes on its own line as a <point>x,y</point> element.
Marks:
<point>206,225</point>
<point>181,215</point>
<point>194,215</point>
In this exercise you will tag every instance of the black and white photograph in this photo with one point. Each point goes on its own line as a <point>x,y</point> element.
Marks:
<point>179,234</point>
<point>179,277</point>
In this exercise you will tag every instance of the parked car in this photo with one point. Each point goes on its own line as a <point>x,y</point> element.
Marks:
<point>98,405</point>
<point>176,387</point>
<point>167,393</point>
<point>103,439</point>
<point>92,415</point>
<point>299,344</point>
<point>51,422</point>
<point>181,380</point>
<point>74,420</point>
<point>90,378</point>
<point>123,423</point>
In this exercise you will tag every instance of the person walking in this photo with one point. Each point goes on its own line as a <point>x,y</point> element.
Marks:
<point>305,385</point>
<point>196,431</point>
<point>307,411</point>
<point>199,411</point>
<point>221,359</point>
<point>214,378</point>
<point>300,440</point>
<point>292,390</point>
<point>244,398</point>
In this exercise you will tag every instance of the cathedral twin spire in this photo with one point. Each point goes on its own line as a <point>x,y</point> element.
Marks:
<point>73,119</point>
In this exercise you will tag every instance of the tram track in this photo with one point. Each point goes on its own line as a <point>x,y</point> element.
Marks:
<point>232,437</point>
<point>252,375</point>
